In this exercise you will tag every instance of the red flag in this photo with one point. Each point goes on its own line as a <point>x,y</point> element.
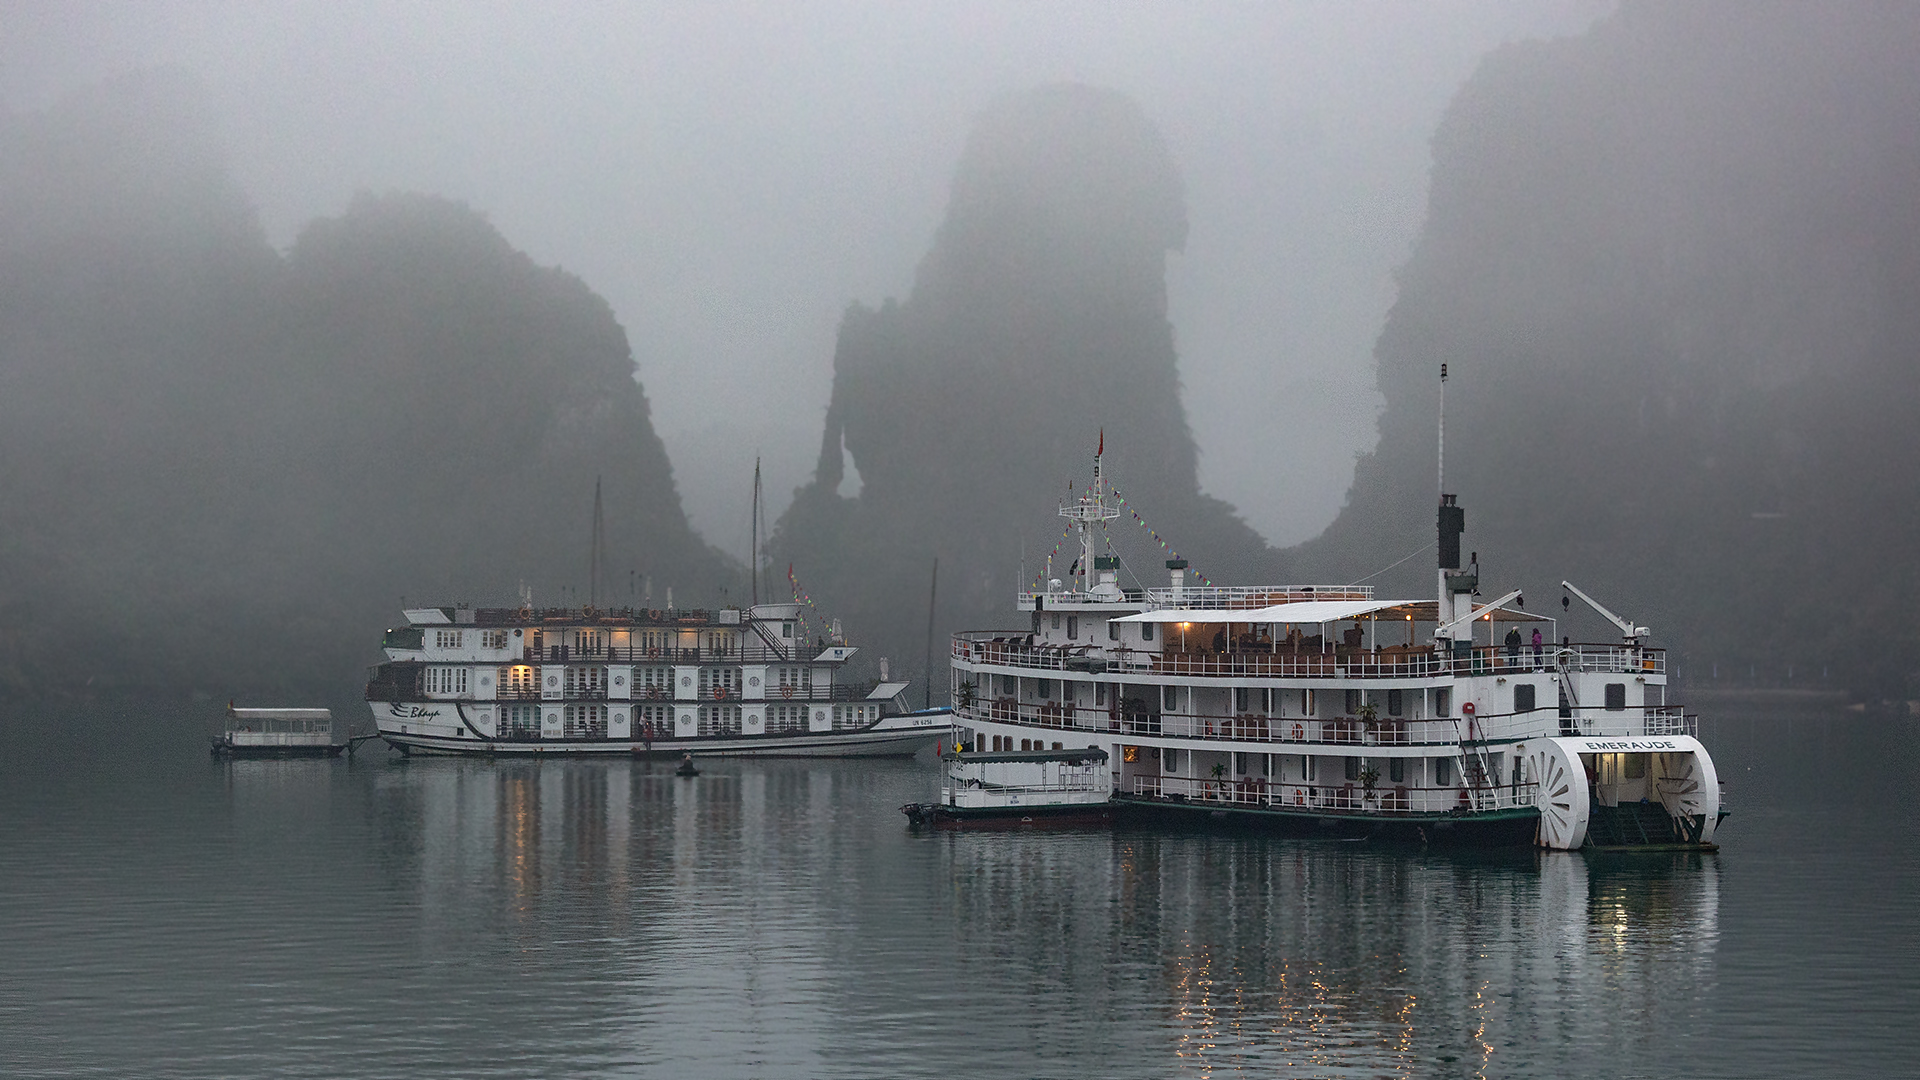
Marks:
<point>1103,443</point>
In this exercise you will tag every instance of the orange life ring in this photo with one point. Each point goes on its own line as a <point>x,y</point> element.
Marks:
<point>1299,732</point>
<point>719,693</point>
<point>1299,797</point>
<point>786,690</point>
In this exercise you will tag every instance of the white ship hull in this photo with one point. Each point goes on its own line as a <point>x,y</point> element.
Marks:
<point>901,735</point>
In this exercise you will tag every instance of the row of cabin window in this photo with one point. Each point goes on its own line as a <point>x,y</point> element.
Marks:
<point>1072,623</point>
<point>1004,744</point>
<point>589,642</point>
<point>524,678</point>
<point>1243,696</point>
<point>284,727</point>
<point>854,715</point>
<point>1246,764</point>
<point>455,639</point>
<point>1525,697</point>
<point>590,721</point>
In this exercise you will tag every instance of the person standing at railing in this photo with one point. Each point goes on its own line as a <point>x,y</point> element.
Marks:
<point>1536,648</point>
<point>1513,647</point>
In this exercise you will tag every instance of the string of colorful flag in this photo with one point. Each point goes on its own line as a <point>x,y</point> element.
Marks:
<point>1045,565</point>
<point>802,595</point>
<point>1142,522</point>
<point>1157,538</point>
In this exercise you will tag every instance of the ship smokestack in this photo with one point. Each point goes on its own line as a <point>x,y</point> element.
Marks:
<point>1453,522</point>
<point>1179,570</point>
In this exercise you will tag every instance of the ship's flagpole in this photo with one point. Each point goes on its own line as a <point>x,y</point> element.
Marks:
<point>933,594</point>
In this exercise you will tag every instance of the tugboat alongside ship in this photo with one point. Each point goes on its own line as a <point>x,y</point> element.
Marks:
<point>1325,711</point>
<point>1022,789</point>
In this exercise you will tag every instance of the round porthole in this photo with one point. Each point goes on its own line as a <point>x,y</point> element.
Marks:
<point>516,633</point>
<point>755,681</point>
<point>486,680</point>
<point>686,680</point>
<point>553,680</point>
<point>619,680</point>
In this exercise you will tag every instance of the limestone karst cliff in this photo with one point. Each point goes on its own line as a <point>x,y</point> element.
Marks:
<point>1674,265</point>
<point>221,468</point>
<point>1037,319</point>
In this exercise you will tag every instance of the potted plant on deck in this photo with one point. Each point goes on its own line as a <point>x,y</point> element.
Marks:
<point>1369,776</point>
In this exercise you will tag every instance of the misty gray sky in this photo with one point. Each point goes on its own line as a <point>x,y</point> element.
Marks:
<point>731,176</point>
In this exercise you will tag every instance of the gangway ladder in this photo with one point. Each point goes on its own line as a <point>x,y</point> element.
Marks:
<point>1569,701</point>
<point>1475,768</point>
<point>779,651</point>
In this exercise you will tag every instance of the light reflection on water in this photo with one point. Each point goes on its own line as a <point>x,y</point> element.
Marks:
<point>167,915</point>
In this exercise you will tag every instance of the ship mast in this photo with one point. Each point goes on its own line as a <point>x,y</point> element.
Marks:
<point>754,529</point>
<point>598,551</point>
<point>1091,507</point>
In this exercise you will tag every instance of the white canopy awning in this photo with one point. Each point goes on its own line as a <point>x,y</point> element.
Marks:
<point>1300,611</point>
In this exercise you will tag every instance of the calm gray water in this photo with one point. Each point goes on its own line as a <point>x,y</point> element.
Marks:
<point>163,914</point>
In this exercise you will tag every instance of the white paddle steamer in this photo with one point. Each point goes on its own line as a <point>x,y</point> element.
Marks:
<point>1329,711</point>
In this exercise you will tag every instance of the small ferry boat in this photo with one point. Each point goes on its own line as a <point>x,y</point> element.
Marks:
<point>633,681</point>
<point>1039,788</point>
<point>1327,711</point>
<point>277,733</point>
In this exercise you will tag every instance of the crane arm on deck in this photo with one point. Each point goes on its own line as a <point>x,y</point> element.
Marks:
<point>1446,629</point>
<point>1634,634</point>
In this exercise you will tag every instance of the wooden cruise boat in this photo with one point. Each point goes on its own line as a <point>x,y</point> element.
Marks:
<point>1328,711</point>
<point>633,681</point>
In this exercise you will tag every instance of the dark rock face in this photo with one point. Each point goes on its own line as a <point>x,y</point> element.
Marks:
<point>1037,319</point>
<point>1675,267</point>
<point>221,468</point>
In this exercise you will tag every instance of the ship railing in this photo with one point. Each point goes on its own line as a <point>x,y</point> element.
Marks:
<point>749,653</point>
<point>244,737</point>
<point>1252,597</point>
<point>1282,731</point>
<point>1389,662</point>
<point>1069,781</point>
<point>771,695</point>
<point>1255,792</point>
